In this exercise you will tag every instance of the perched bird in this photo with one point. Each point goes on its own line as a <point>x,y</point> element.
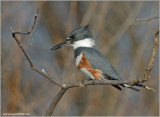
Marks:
<point>90,61</point>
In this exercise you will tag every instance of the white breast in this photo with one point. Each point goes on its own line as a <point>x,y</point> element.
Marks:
<point>78,59</point>
<point>87,42</point>
<point>83,70</point>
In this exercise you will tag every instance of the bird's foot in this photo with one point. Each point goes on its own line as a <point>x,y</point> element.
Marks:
<point>81,85</point>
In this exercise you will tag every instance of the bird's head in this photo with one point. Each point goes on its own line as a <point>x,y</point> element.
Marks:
<point>79,37</point>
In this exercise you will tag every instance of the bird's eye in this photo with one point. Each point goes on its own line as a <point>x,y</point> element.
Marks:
<point>68,38</point>
<point>72,37</point>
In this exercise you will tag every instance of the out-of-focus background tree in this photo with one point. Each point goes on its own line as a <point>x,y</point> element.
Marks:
<point>126,42</point>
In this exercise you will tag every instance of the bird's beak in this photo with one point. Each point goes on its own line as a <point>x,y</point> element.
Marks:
<point>59,45</point>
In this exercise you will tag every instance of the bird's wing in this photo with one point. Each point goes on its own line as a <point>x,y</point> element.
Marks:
<point>99,61</point>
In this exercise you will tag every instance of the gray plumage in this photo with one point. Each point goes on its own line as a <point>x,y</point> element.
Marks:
<point>98,61</point>
<point>80,33</point>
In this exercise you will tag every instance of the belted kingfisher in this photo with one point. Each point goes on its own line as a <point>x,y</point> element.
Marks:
<point>90,61</point>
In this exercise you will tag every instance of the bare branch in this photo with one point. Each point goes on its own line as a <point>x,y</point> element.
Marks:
<point>55,101</point>
<point>147,19</point>
<point>26,55</point>
<point>30,32</point>
<point>151,62</point>
<point>85,83</point>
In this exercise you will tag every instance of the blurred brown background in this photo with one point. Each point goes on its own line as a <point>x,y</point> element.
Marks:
<point>126,42</point>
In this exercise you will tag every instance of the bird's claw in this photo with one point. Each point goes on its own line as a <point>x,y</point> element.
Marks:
<point>81,85</point>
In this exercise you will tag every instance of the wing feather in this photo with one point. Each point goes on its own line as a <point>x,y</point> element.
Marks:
<point>99,61</point>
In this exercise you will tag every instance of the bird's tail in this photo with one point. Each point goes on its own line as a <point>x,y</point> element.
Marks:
<point>131,87</point>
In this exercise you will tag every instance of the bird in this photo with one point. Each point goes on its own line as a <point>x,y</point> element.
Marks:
<point>92,63</point>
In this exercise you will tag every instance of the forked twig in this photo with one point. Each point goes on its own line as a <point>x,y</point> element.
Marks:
<point>25,53</point>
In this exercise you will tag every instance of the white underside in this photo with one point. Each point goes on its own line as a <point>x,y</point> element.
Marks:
<point>88,42</point>
<point>87,73</point>
<point>78,59</point>
<point>83,70</point>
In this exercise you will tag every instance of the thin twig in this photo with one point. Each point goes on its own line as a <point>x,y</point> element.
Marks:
<point>151,62</point>
<point>35,18</point>
<point>30,32</point>
<point>25,53</point>
<point>147,19</point>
